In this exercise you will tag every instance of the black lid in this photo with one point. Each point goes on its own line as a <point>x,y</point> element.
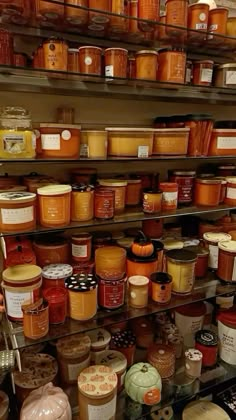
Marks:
<point>161,120</point>
<point>160,278</point>
<point>158,245</point>
<point>152,191</point>
<point>181,255</point>
<point>225,124</point>
<point>101,236</point>
<point>48,240</point>
<point>82,187</point>
<point>81,282</point>
<point>135,258</point>
<point>198,117</point>
<point>206,338</point>
<point>124,339</point>
<point>178,118</point>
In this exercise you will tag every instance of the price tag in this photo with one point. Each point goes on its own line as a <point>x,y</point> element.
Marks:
<point>143,151</point>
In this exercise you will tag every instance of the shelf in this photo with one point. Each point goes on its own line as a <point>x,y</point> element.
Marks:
<point>204,289</point>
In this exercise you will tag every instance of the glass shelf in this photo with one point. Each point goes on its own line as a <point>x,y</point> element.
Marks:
<point>204,289</point>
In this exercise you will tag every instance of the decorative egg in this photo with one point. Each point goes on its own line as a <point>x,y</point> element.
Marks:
<point>143,384</point>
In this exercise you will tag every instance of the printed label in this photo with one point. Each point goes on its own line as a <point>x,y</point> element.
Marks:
<point>188,326</point>
<point>109,71</point>
<point>206,75</point>
<point>227,339</point>
<point>226,142</point>
<point>102,412</point>
<point>188,76</point>
<point>230,77</point>
<point>213,256</point>
<point>88,60</point>
<point>202,17</point>
<point>74,370</point>
<point>152,397</point>
<point>50,141</point>
<point>113,296</point>
<point>84,150</point>
<point>170,197</point>
<point>231,193</point>
<point>13,143</point>
<point>143,151</point>
<point>16,216</point>
<point>80,251</point>
<point>54,209</point>
<point>14,301</point>
<point>66,135</point>
<point>213,27</point>
<point>201,26</point>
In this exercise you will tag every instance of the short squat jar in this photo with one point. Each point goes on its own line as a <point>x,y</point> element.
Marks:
<point>146,64</point>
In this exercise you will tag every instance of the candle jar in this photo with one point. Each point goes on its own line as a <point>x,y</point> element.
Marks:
<point>161,287</point>
<point>93,144</point>
<point>54,275</point>
<point>17,211</point>
<point>152,201</point>
<point>104,203</point>
<point>226,170</point>
<point>201,266</point>
<point>138,291</point>
<point>118,24</point>
<point>198,14</point>
<point>176,15</point>
<point>50,10</point>
<point>51,250</point>
<point>111,293</point>
<point>171,66</point>
<point>82,296</point>
<point>54,205</point>
<point>82,203</point>
<point>87,176</point>
<point>90,60</point>
<point>227,261</point>
<point>148,11</point>
<point>206,342</point>
<point>100,340</point>
<point>181,266</point>
<point>153,228</point>
<point>169,195</point>
<point>207,192</point>
<point>217,23</point>
<point>75,16</point>
<point>117,361</point>
<point>143,266</point>
<point>99,18</point>
<point>116,62</point>
<point>57,300</point>
<point>189,319</point>
<point>211,241</point>
<point>35,320</point>
<point>55,54</point>
<point>230,196</point>
<point>124,342</point>
<point>73,62</point>
<point>146,64</point>
<point>226,333</point>
<point>133,192</point>
<point>83,267</point>
<point>193,363</point>
<point>133,24</point>
<point>110,262</point>
<point>162,357</point>
<point>6,48</point>
<point>81,247</point>
<point>203,72</point>
<point>119,187</point>
<point>185,181</point>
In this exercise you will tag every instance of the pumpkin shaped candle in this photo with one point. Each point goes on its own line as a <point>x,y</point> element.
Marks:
<point>142,246</point>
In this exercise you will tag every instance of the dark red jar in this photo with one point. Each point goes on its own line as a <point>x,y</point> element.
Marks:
<point>201,266</point>
<point>100,239</point>
<point>19,60</point>
<point>111,294</point>
<point>206,342</point>
<point>185,180</point>
<point>57,300</point>
<point>104,204</point>
<point>6,47</point>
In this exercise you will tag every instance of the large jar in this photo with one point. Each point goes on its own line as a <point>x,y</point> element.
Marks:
<point>59,140</point>
<point>181,266</point>
<point>116,62</point>
<point>119,187</point>
<point>176,15</point>
<point>82,296</point>
<point>171,66</point>
<point>202,72</point>
<point>189,319</point>
<point>146,64</point>
<point>211,240</point>
<point>198,19</point>
<point>227,336</point>
<point>148,10</point>
<point>55,54</point>
<point>207,192</point>
<point>74,15</point>
<point>51,250</point>
<point>54,205</point>
<point>90,60</point>
<point>227,261</point>
<point>17,211</point>
<point>110,262</point>
<point>217,22</point>
<point>82,203</point>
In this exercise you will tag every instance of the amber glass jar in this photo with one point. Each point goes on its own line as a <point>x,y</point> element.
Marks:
<point>50,10</point>
<point>54,205</point>
<point>119,187</point>
<point>81,247</point>
<point>171,66</point>
<point>104,203</point>
<point>82,296</point>
<point>110,262</point>
<point>217,22</point>
<point>133,192</point>
<point>133,24</point>
<point>146,64</point>
<point>207,192</point>
<point>100,18</point>
<point>227,261</point>
<point>82,203</point>
<point>161,287</point>
<point>73,60</point>
<point>55,54</point>
<point>35,320</point>
<point>51,250</point>
<point>90,60</point>
<point>152,201</point>
<point>116,62</point>
<point>181,266</point>
<point>176,15</point>
<point>203,72</point>
<point>148,10</point>
<point>138,291</point>
<point>197,19</point>
<point>119,24</point>
<point>76,16</point>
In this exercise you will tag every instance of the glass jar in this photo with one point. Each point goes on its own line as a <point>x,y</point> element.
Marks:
<point>152,201</point>
<point>176,15</point>
<point>51,250</point>
<point>153,228</point>
<point>90,60</point>
<point>100,18</point>
<point>207,192</point>
<point>54,205</point>
<point>146,64</point>
<point>17,139</point>
<point>93,144</point>
<point>55,53</point>
<point>203,72</point>
<point>73,60</point>
<point>189,72</point>
<point>75,16</point>
<point>133,24</point>
<point>201,266</point>
<point>57,301</point>
<point>193,363</point>
<point>162,357</point>
<point>110,262</point>
<point>119,187</point>
<point>117,361</point>
<point>227,261</point>
<point>82,203</point>
<point>82,296</point>
<point>124,342</point>
<point>169,195</point>
<point>171,66</point>
<point>17,211</point>
<point>81,247</point>
<point>54,275</point>
<point>230,196</point>
<point>201,126</point>
<point>87,176</point>
<point>206,342</point>
<point>181,266</point>
<point>111,293</point>
<point>104,204</point>
<point>185,181</point>
<point>116,63</point>
<point>148,10</point>
<point>138,291</point>
<point>49,10</point>
<point>35,319</point>
<point>161,287</point>
<point>217,22</point>
<point>133,192</point>
<point>197,19</point>
<point>6,47</point>
<point>189,319</point>
<point>227,336</point>
<point>118,24</point>
<point>211,241</point>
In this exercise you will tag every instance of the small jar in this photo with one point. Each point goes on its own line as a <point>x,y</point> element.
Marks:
<point>74,15</point>
<point>119,187</point>
<point>81,247</point>
<point>138,291</point>
<point>124,342</point>
<point>181,266</point>
<point>104,203</point>
<point>6,49</point>
<point>51,250</point>
<point>82,203</point>
<point>223,188</point>
<point>161,287</point>
<point>201,266</point>
<point>203,72</point>
<point>90,60</point>
<point>211,240</point>
<point>185,180</point>
<point>54,205</point>
<point>116,62</point>
<point>193,363</point>
<point>57,300</point>
<point>100,340</point>
<point>230,196</point>
<point>176,15</point>
<point>35,320</point>
<point>17,211</point>
<point>227,261</point>
<point>82,296</point>
<point>148,11</point>
<point>153,228</point>
<point>171,66</point>
<point>206,342</point>
<point>55,54</point>
<point>162,357</point>
<point>217,23</point>
<point>54,275</point>
<point>152,200</point>
<point>198,14</point>
<point>146,64</point>
<point>110,262</point>
<point>73,60</point>
<point>133,192</point>
<point>111,293</point>
<point>207,192</point>
<point>169,195</point>
<point>117,361</point>
<point>73,354</point>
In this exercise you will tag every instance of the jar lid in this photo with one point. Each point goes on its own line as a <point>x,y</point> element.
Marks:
<point>23,273</point>
<point>124,339</point>
<point>112,183</point>
<point>164,185</point>
<point>37,370</point>
<point>73,50</point>
<point>130,130</point>
<point>82,187</point>
<point>97,381</point>
<point>82,235</point>
<point>133,181</point>
<point>49,241</point>
<point>193,354</point>
<point>210,181</point>
<point>206,338</point>
<point>74,346</point>
<point>180,172</point>
<point>170,243</point>
<point>116,49</point>
<point>90,46</point>
<point>114,359</point>
<point>54,190</point>
<point>101,236</point>
<point>231,180</point>
<point>228,318</point>
<point>204,62</point>
<point>160,351</point>
<point>216,237</point>
<point>198,250</point>
<point>19,196</point>
<point>125,242</point>
<point>229,246</point>
<point>60,126</point>
<point>84,171</point>
<point>154,52</point>
<point>227,66</point>
<point>193,310</point>
<point>161,278</point>
<point>81,282</point>
<point>138,280</point>
<point>99,337</point>
<point>222,180</point>
<point>57,271</point>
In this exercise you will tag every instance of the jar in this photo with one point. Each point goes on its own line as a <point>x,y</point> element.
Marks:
<point>148,11</point>
<point>119,187</point>
<point>111,293</point>
<point>95,397</point>
<point>203,72</point>
<point>211,241</point>
<point>185,181</point>
<point>152,200</point>
<point>130,142</point>
<point>81,247</point>
<point>100,340</point>
<point>133,24</point>
<point>83,267</point>
<point>116,62</point>
<point>17,211</point>
<point>143,329</point>
<point>171,65</point>
<point>201,266</point>
<point>133,192</point>
<point>93,144</point>
<point>131,65</point>
<point>50,11</point>
<point>207,192</point>
<point>51,250</point>
<point>87,176</point>
<point>181,266</point>
<point>101,239</point>
<point>146,64</point>
<point>99,18</point>
<point>19,60</point>
<point>73,61</point>
<point>141,266</point>
<point>217,22</point>
<point>54,205</point>
<point>193,363</point>
<point>189,319</point>
<point>230,197</point>
<point>189,72</point>
<point>118,23</point>
<point>90,60</point>
<point>21,284</point>
<point>60,140</point>
<point>206,342</point>
<point>55,54</point>
<point>161,287</point>
<point>224,300</point>
<point>104,203</point>
<point>227,336</point>
<point>17,139</point>
<point>54,275</point>
<point>57,300</point>
<point>73,354</point>
<point>162,357</point>
<point>198,14</point>
<point>226,170</point>
<point>124,342</point>
<point>35,319</point>
<point>138,291</point>
<point>74,15</point>
<point>110,262</point>
<point>170,141</point>
<point>223,188</point>
<point>153,228</point>
<point>227,261</point>
<point>6,48</point>
<point>38,58</point>
<point>176,15</point>
<point>169,195</point>
<point>82,296</point>
<point>82,203</point>
<point>117,361</point>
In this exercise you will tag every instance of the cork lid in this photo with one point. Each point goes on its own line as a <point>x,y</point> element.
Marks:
<point>99,337</point>
<point>216,237</point>
<point>74,346</point>
<point>57,271</point>
<point>97,381</point>
<point>114,359</point>
<point>37,370</point>
<point>23,273</point>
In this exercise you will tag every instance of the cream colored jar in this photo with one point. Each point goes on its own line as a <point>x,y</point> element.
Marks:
<point>138,291</point>
<point>93,144</point>
<point>211,240</point>
<point>100,340</point>
<point>117,361</point>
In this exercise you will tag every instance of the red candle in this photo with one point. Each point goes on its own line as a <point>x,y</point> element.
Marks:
<point>57,299</point>
<point>206,342</point>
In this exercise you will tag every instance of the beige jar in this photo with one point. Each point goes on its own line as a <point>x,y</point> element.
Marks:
<point>138,291</point>
<point>118,362</point>
<point>100,339</point>
<point>97,393</point>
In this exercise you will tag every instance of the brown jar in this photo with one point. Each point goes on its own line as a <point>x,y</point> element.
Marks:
<point>100,18</point>
<point>148,10</point>
<point>73,60</point>
<point>203,72</point>
<point>74,15</point>
<point>172,64</point>
<point>197,19</point>
<point>116,62</point>
<point>146,64</point>
<point>90,60</point>
<point>217,23</point>
<point>55,54</point>
<point>176,15</point>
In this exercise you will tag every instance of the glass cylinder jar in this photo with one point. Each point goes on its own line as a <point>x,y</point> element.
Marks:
<point>185,181</point>
<point>152,201</point>
<point>75,16</point>
<point>54,205</point>
<point>81,247</point>
<point>55,54</point>
<point>82,203</point>
<point>90,60</point>
<point>111,293</point>
<point>116,63</point>
<point>197,19</point>
<point>93,144</point>
<point>118,24</point>
<point>138,291</point>
<point>133,192</point>
<point>57,301</point>
<point>110,262</point>
<point>148,10</point>
<point>125,342</point>
<point>98,17</point>
<point>211,241</point>
<point>230,196</point>
<point>203,72</point>
<point>206,342</point>
<point>171,66</point>
<point>217,23</point>
<point>119,187</point>
<point>35,320</point>
<point>193,363</point>
<point>17,211</point>
<point>201,266</point>
<point>181,266</point>
<point>176,15</point>
<point>6,47</point>
<point>161,287</point>
<point>227,261</point>
<point>207,192</point>
<point>82,296</point>
<point>104,203</point>
<point>169,195</point>
<point>146,64</point>
<point>73,60</point>
<point>51,250</point>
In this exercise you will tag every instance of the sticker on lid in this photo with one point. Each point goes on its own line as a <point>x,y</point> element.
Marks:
<point>143,151</point>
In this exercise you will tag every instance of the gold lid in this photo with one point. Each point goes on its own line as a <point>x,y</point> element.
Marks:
<point>23,273</point>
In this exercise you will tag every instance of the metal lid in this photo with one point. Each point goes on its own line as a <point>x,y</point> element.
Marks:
<point>57,271</point>
<point>82,187</point>
<point>17,196</point>
<point>81,282</point>
<point>182,172</point>
<point>161,278</point>
<point>206,338</point>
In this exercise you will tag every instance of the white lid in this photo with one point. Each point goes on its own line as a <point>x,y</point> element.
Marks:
<point>231,179</point>
<point>216,236</point>
<point>58,125</point>
<point>57,271</point>
<point>229,246</point>
<point>54,189</point>
<point>170,243</point>
<point>112,183</point>
<point>114,359</point>
<point>99,338</point>
<point>138,280</point>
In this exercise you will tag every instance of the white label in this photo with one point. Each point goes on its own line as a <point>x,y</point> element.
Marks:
<point>14,301</point>
<point>201,26</point>
<point>226,142</point>
<point>188,75</point>
<point>227,338</point>
<point>33,141</point>
<point>80,251</point>
<point>88,60</point>
<point>109,71</point>
<point>84,150</point>
<point>102,412</point>
<point>143,151</point>
<point>206,75</point>
<point>213,256</point>
<point>231,193</point>
<point>16,216</point>
<point>230,78</point>
<point>170,196</point>
<point>202,17</point>
<point>50,141</point>
<point>213,27</point>
<point>234,270</point>
<point>66,135</point>
<point>74,370</point>
<point>13,143</point>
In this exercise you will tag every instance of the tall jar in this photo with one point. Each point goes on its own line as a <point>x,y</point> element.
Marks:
<point>181,266</point>
<point>110,262</point>
<point>185,180</point>
<point>82,203</point>
<point>211,241</point>
<point>118,24</point>
<point>198,14</point>
<point>104,204</point>
<point>81,247</point>
<point>217,23</point>
<point>148,10</point>
<point>227,261</point>
<point>171,65</point>
<point>82,296</point>
<point>76,16</point>
<point>55,53</point>
<point>176,15</point>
